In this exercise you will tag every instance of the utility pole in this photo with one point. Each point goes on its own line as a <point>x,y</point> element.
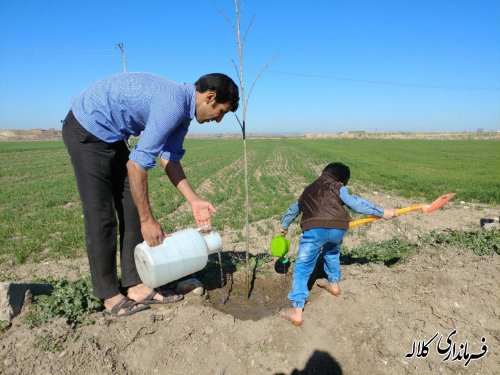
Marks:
<point>124,58</point>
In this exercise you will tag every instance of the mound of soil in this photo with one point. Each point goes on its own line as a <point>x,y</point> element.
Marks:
<point>437,312</point>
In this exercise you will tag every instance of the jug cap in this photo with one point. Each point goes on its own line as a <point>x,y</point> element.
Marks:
<point>213,241</point>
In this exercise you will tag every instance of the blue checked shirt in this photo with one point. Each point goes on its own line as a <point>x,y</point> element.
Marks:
<point>144,104</point>
<point>355,203</point>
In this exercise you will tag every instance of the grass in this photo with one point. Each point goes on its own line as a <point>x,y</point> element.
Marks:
<point>41,213</point>
<point>482,242</point>
<point>418,168</point>
<point>390,252</point>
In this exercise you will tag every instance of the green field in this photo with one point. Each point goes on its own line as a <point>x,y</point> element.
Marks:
<point>41,214</point>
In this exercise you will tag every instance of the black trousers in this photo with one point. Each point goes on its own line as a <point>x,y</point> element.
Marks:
<point>101,176</point>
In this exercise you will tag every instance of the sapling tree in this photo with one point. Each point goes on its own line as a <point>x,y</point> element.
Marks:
<point>240,42</point>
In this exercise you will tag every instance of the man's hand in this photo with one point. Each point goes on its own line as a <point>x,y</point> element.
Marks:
<point>389,213</point>
<point>201,208</point>
<point>201,212</point>
<point>152,232</point>
<point>283,232</point>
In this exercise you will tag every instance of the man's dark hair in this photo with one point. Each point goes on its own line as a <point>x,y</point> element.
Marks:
<point>338,171</point>
<point>224,87</point>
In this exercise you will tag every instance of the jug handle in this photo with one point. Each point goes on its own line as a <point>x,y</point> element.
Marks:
<point>152,247</point>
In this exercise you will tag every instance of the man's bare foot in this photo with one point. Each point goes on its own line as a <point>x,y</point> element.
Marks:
<point>120,305</point>
<point>292,314</point>
<point>143,293</point>
<point>331,288</point>
<point>140,292</point>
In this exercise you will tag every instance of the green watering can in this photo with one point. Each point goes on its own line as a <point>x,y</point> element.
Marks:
<point>279,248</point>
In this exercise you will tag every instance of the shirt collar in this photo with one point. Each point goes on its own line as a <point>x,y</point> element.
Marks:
<point>191,100</point>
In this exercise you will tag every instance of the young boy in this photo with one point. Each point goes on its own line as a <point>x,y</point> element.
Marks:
<point>324,224</point>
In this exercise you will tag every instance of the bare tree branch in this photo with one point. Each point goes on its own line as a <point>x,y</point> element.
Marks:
<point>240,59</point>
<point>258,76</point>
<point>237,71</point>
<point>248,29</point>
<point>237,118</point>
<point>226,18</point>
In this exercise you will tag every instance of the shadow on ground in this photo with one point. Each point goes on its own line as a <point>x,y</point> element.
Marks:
<point>320,363</point>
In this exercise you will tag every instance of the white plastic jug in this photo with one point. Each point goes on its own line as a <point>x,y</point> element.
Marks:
<point>182,253</point>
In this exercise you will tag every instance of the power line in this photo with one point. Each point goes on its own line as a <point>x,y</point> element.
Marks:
<point>388,83</point>
<point>111,52</point>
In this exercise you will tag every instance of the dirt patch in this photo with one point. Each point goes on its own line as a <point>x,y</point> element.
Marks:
<point>383,313</point>
<point>267,293</point>
<point>55,134</point>
<point>30,135</point>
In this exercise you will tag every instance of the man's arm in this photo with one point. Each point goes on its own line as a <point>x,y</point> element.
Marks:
<point>151,230</point>
<point>201,209</point>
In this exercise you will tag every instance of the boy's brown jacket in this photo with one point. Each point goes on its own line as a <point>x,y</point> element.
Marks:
<point>321,205</point>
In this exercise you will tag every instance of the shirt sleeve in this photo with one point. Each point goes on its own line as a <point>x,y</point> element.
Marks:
<point>161,134</point>
<point>359,205</point>
<point>290,215</point>
<point>174,150</point>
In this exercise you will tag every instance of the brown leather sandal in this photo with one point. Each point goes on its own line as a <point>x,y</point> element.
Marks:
<point>167,297</point>
<point>130,307</point>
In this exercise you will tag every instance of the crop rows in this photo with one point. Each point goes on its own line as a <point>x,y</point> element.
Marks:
<point>41,214</point>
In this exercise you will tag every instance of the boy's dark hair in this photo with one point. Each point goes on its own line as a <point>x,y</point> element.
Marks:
<point>224,87</point>
<point>338,171</point>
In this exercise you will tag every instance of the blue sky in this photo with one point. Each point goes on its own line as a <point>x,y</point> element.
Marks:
<point>342,65</point>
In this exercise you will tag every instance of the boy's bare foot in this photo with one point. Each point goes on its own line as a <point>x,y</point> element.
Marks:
<point>292,314</point>
<point>331,288</point>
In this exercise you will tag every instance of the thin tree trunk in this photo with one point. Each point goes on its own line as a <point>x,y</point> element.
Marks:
<point>244,102</point>
<point>247,226</point>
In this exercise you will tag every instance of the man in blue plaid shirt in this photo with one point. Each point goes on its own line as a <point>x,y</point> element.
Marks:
<point>112,180</point>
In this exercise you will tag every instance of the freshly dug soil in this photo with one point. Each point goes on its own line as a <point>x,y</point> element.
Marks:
<point>383,316</point>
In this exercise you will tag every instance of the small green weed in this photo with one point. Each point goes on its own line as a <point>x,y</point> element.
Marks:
<point>72,300</point>
<point>263,347</point>
<point>261,262</point>
<point>4,325</point>
<point>239,237</point>
<point>388,252</point>
<point>49,343</point>
<point>261,231</point>
<point>481,242</point>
